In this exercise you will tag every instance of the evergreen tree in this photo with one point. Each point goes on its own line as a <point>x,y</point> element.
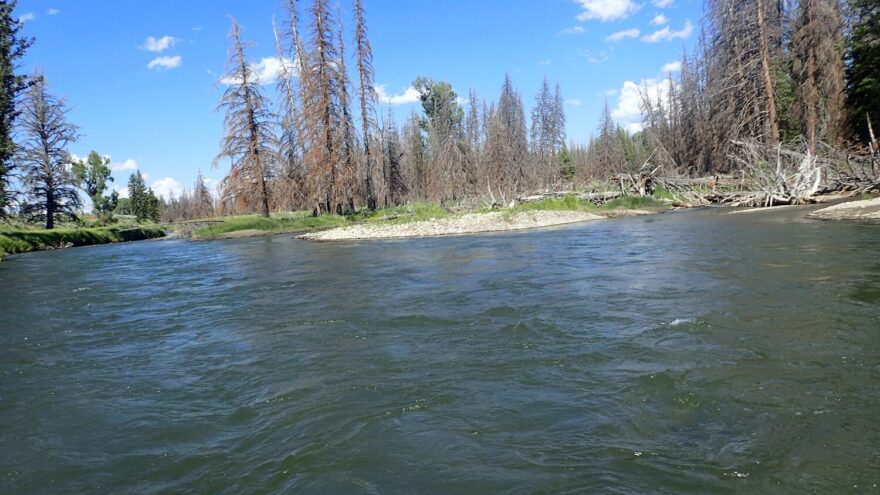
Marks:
<point>863,70</point>
<point>151,206</point>
<point>137,197</point>
<point>818,70</point>
<point>566,164</point>
<point>43,156</point>
<point>12,47</point>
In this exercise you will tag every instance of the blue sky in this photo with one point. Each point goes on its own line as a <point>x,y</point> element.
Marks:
<point>141,77</point>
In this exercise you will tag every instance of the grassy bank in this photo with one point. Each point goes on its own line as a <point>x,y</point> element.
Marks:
<point>23,240</point>
<point>303,222</point>
<point>573,203</point>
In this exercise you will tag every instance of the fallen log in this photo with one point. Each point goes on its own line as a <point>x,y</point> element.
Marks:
<point>595,197</point>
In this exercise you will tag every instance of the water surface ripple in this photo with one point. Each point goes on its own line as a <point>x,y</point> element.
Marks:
<point>690,352</point>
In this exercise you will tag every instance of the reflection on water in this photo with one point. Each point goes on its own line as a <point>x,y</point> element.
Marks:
<point>689,352</point>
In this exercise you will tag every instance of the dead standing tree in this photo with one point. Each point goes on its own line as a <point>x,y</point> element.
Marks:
<point>288,192</point>
<point>43,157</point>
<point>367,96</point>
<point>248,134</point>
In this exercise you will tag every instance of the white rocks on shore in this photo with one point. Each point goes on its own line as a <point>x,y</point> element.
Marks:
<point>465,224</point>
<point>868,209</point>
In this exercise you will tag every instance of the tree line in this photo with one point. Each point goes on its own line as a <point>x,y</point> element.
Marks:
<point>800,73</point>
<point>322,146</point>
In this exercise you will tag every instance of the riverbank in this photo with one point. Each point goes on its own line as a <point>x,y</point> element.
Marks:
<point>867,209</point>
<point>14,241</point>
<point>465,224</point>
<point>418,220</point>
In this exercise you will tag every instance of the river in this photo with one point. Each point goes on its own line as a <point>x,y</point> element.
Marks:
<point>690,352</point>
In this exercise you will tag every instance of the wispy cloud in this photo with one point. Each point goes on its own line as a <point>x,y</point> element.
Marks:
<point>158,45</point>
<point>667,34</point>
<point>410,95</point>
<point>53,12</point>
<point>622,35</point>
<point>606,10</point>
<point>594,58</point>
<point>659,20</point>
<point>130,164</point>
<point>573,102</point>
<point>661,4</point>
<point>168,188</point>
<point>671,67</point>
<point>571,31</point>
<point>544,62</point>
<point>165,63</point>
<point>267,71</point>
<point>27,17</point>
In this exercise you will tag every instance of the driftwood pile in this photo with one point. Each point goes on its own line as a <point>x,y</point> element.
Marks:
<point>768,176</point>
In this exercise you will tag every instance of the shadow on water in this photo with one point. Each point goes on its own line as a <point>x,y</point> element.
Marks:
<point>691,352</point>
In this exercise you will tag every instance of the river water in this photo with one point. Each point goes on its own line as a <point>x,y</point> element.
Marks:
<point>691,352</point>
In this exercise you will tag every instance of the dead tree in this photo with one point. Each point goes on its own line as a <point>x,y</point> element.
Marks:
<point>42,157</point>
<point>367,96</point>
<point>248,139</point>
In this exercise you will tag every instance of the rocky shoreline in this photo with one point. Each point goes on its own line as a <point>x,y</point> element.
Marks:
<point>470,223</point>
<point>868,209</point>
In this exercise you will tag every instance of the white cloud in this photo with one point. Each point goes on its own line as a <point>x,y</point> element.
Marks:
<point>130,164</point>
<point>53,12</point>
<point>164,63</point>
<point>544,62</point>
<point>571,31</point>
<point>158,45</point>
<point>606,10</point>
<point>667,34</point>
<point>269,69</point>
<point>573,102</point>
<point>122,191</point>
<point>659,20</point>
<point>594,58</point>
<point>167,188</point>
<point>410,95</point>
<point>621,35</point>
<point>610,92</point>
<point>671,67</point>
<point>628,112</point>
<point>27,17</point>
<point>266,71</point>
<point>661,4</point>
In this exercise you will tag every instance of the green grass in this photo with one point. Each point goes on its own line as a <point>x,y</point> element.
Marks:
<point>15,240</point>
<point>661,192</point>
<point>287,222</point>
<point>414,212</point>
<point>303,221</point>
<point>572,203</point>
<point>632,203</point>
<point>566,203</point>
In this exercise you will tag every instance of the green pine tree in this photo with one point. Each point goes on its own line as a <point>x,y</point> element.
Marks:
<point>566,164</point>
<point>863,69</point>
<point>12,47</point>
<point>137,197</point>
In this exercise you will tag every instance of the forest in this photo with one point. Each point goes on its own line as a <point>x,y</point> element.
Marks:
<point>767,79</point>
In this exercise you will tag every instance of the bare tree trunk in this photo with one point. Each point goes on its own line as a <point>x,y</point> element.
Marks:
<point>768,80</point>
